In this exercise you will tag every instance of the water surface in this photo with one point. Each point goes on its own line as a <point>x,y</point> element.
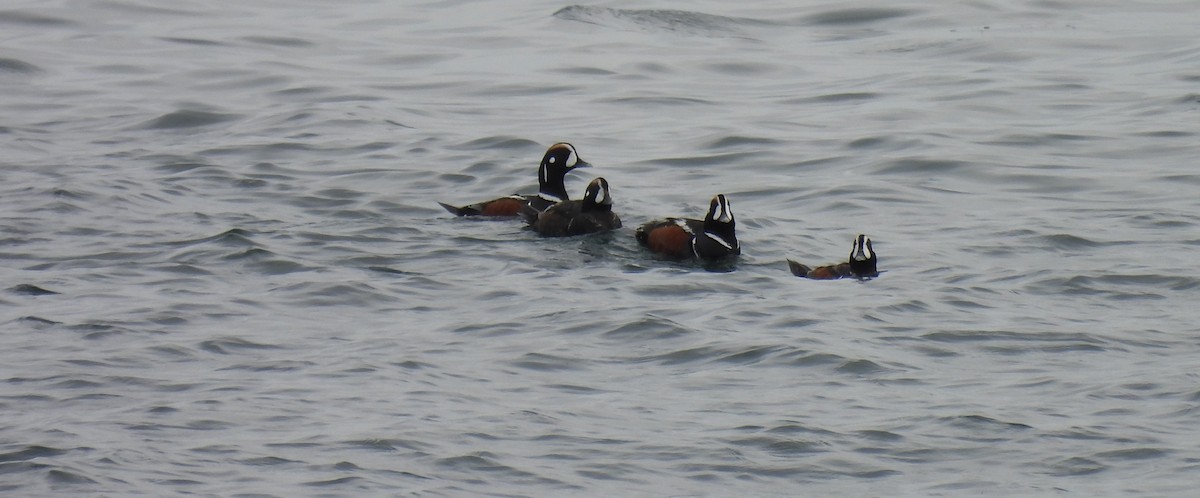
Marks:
<point>226,272</point>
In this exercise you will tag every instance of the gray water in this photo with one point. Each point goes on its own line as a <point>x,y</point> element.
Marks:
<point>226,274</point>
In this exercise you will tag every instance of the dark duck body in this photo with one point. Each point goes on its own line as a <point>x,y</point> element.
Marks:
<point>862,264</point>
<point>593,213</point>
<point>559,160</point>
<point>712,238</point>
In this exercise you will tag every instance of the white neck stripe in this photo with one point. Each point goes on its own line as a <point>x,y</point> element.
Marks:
<point>718,240</point>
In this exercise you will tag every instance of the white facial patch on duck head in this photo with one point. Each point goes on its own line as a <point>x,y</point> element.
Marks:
<point>605,196</point>
<point>597,191</point>
<point>572,157</point>
<point>565,153</point>
<point>721,210</point>
<point>726,214</point>
<point>861,251</point>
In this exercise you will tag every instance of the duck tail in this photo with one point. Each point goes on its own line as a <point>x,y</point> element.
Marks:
<point>798,269</point>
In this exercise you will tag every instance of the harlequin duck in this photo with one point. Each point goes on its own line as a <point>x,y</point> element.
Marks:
<point>560,159</point>
<point>683,238</point>
<point>862,264</point>
<point>591,214</point>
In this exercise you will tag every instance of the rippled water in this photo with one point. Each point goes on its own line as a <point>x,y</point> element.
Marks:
<point>226,272</point>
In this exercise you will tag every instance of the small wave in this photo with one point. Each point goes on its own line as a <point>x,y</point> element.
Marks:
<point>661,100</point>
<point>648,328</point>
<point>1191,98</point>
<point>267,461</point>
<point>735,141</point>
<point>279,41</point>
<point>865,15</point>
<point>1040,139</point>
<point>836,98</point>
<point>17,66</point>
<point>58,476</point>
<point>1073,466</point>
<point>781,446</point>
<point>180,167</point>
<point>745,355</point>
<point>331,294</point>
<point>743,69</point>
<point>983,424</point>
<point>921,166</point>
<point>547,363</point>
<point>1133,454</point>
<point>31,452</point>
<point>195,41</point>
<point>801,358</point>
<point>36,20</point>
<point>497,142</point>
<point>574,389</point>
<point>1116,286</point>
<point>585,71</point>
<point>30,290</point>
<point>188,119</point>
<point>861,367</point>
<point>751,355</point>
<point>234,237</point>
<point>271,366</point>
<point>99,330</point>
<point>1017,343</point>
<point>1067,242</point>
<point>672,21</point>
<point>231,345</point>
<point>37,321</point>
<point>880,435</point>
<point>710,160</point>
<point>501,91</point>
<point>478,462</point>
<point>334,482</point>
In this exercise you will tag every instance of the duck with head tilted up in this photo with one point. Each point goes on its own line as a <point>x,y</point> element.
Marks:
<point>559,160</point>
<point>712,238</point>
<point>593,213</point>
<point>862,264</point>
